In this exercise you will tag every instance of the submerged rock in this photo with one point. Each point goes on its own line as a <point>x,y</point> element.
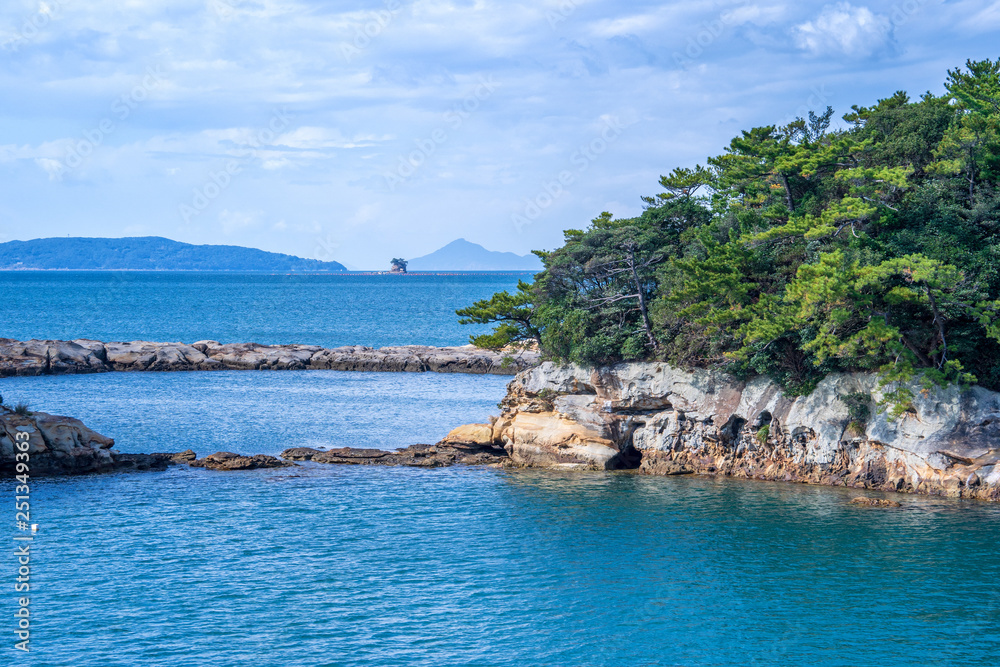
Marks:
<point>143,461</point>
<point>53,357</point>
<point>231,461</point>
<point>445,453</point>
<point>874,502</point>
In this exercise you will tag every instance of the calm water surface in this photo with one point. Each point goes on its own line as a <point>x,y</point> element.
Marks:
<point>325,565</point>
<point>328,310</point>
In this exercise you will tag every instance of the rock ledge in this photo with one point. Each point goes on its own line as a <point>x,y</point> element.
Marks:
<point>60,357</point>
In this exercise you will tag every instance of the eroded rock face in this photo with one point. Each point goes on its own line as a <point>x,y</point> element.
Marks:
<point>669,421</point>
<point>53,357</point>
<point>65,446</point>
<point>56,445</point>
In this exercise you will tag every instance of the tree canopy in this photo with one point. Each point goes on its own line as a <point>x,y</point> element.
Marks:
<point>799,251</point>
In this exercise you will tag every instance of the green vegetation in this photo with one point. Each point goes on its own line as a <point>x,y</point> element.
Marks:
<point>858,406</point>
<point>22,409</point>
<point>799,251</point>
<point>858,410</point>
<point>512,312</point>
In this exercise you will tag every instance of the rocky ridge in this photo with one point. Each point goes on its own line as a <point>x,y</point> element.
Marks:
<point>463,446</point>
<point>56,357</point>
<point>65,446</point>
<point>662,420</point>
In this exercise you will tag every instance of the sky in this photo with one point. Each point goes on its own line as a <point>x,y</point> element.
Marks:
<point>362,131</point>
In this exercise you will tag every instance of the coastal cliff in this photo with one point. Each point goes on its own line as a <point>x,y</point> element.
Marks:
<point>57,357</point>
<point>662,420</point>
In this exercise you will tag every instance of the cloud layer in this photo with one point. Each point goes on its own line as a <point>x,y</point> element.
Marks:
<point>363,131</point>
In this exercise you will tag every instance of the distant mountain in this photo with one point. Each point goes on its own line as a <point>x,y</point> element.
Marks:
<point>148,253</point>
<point>462,255</point>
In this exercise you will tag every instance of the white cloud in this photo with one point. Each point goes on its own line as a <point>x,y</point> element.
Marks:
<point>310,137</point>
<point>237,221</point>
<point>753,14</point>
<point>54,168</point>
<point>986,19</point>
<point>844,29</point>
<point>351,121</point>
<point>630,25</point>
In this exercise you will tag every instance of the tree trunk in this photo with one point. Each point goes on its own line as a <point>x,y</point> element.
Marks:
<point>939,321</point>
<point>788,193</point>
<point>642,300</point>
<point>927,363</point>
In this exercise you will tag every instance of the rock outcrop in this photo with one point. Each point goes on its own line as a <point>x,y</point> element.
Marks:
<point>662,420</point>
<point>449,452</point>
<point>56,445</point>
<point>65,446</point>
<point>51,357</point>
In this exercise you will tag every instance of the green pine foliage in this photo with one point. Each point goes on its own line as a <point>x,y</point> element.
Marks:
<point>798,252</point>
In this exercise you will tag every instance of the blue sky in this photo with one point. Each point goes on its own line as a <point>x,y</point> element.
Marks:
<point>367,130</point>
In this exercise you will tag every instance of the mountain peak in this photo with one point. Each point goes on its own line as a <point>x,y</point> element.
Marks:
<point>463,255</point>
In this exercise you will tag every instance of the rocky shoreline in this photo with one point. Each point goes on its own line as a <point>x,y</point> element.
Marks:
<point>661,420</point>
<point>65,446</point>
<point>58,357</point>
<point>649,418</point>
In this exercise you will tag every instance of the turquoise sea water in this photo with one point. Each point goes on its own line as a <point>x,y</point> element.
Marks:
<point>327,309</point>
<point>331,565</point>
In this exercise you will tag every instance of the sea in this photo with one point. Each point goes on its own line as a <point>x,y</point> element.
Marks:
<point>352,565</point>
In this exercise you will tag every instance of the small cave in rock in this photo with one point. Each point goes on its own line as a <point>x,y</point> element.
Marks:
<point>763,419</point>
<point>629,458</point>
<point>730,431</point>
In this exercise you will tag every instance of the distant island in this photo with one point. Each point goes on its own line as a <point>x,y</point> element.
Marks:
<point>462,255</point>
<point>147,253</point>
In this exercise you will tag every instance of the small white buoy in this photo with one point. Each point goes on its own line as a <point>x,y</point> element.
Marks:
<point>34,527</point>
